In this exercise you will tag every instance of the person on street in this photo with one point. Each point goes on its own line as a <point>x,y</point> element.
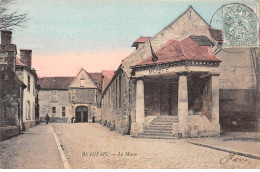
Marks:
<point>72,119</point>
<point>47,119</point>
<point>93,119</point>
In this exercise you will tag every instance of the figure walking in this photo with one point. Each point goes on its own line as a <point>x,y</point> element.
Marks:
<point>72,119</point>
<point>47,119</point>
<point>93,119</point>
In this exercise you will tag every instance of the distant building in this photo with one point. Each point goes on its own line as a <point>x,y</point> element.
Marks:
<point>65,97</point>
<point>189,86</point>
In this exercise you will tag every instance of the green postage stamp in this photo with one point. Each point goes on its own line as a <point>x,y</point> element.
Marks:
<point>240,26</point>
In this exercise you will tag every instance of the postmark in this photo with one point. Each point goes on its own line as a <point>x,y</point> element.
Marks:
<point>240,26</point>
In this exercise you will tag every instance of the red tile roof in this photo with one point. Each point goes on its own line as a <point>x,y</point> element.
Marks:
<point>19,62</point>
<point>55,83</point>
<point>96,77</point>
<point>141,39</point>
<point>174,51</point>
<point>108,75</point>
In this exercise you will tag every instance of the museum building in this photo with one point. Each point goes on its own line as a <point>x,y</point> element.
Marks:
<point>182,83</point>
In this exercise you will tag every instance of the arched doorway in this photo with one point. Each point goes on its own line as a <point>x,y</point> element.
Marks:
<point>82,114</point>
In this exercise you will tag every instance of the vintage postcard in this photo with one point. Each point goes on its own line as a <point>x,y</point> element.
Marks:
<point>129,84</point>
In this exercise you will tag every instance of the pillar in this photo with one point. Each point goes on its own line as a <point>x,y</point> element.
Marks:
<point>183,97</point>
<point>140,114</point>
<point>215,101</point>
<point>137,126</point>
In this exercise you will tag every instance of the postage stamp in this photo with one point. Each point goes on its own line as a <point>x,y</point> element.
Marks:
<point>240,26</point>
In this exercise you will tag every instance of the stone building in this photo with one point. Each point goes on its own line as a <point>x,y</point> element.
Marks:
<point>66,97</point>
<point>29,77</point>
<point>188,87</point>
<point>11,89</point>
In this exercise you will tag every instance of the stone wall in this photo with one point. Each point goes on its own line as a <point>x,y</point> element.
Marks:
<point>46,103</point>
<point>8,132</point>
<point>85,95</point>
<point>117,112</point>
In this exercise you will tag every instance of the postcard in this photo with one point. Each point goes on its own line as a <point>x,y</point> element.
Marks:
<point>129,84</point>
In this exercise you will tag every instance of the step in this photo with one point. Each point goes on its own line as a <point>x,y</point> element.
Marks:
<point>157,133</point>
<point>161,123</point>
<point>155,137</point>
<point>158,129</point>
<point>161,127</point>
<point>164,121</point>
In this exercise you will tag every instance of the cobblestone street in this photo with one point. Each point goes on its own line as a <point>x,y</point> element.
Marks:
<point>89,145</point>
<point>34,149</point>
<point>80,140</point>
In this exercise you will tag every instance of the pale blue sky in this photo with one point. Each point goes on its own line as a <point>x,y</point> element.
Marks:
<point>74,26</point>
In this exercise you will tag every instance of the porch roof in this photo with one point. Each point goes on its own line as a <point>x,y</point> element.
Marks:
<point>176,51</point>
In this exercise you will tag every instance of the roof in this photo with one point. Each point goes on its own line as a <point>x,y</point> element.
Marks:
<point>62,83</point>
<point>55,83</point>
<point>202,41</point>
<point>174,51</point>
<point>107,76</point>
<point>19,62</point>
<point>141,39</point>
<point>216,34</point>
<point>10,78</point>
<point>96,77</point>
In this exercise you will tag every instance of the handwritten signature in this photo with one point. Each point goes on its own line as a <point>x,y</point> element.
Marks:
<point>232,157</point>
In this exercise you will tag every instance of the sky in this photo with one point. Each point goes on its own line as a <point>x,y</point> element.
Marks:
<point>67,35</point>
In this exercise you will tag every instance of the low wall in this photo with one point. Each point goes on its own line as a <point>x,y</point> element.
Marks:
<point>55,119</point>
<point>8,132</point>
<point>28,124</point>
<point>196,126</point>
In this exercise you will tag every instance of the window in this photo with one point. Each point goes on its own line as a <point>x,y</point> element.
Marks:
<point>34,89</point>
<point>29,83</point>
<point>82,82</point>
<point>120,93</point>
<point>28,110</point>
<point>53,109</point>
<point>116,93</point>
<point>63,111</point>
<point>109,97</point>
<point>5,112</point>
<point>73,95</point>
<point>54,96</point>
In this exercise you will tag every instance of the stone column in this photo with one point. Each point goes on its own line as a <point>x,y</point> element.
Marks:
<point>137,127</point>
<point>183,97</point>
<point>140,115</point>
<point>215,101</point>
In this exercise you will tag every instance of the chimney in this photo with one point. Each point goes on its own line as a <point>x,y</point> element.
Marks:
<point>26,57</point>
<point>6,37</point>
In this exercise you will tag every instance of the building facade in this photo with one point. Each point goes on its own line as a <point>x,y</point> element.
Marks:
<point>65,97</point>
<point>29,77</point>
<point>11,89</point>
<point>192,88</point>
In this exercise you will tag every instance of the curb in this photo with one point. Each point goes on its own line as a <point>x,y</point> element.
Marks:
<point>249,155</point>
<point>62,155</point>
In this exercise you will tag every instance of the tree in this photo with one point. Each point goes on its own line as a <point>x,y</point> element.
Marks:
<point>10,19</point>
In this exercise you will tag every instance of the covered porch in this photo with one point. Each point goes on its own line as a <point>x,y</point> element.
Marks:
<point>183,82</point>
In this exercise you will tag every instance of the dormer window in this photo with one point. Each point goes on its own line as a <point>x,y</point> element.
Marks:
<point>140,41</point>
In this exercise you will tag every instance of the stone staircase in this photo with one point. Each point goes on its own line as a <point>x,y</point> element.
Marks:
<point>160,128</point>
